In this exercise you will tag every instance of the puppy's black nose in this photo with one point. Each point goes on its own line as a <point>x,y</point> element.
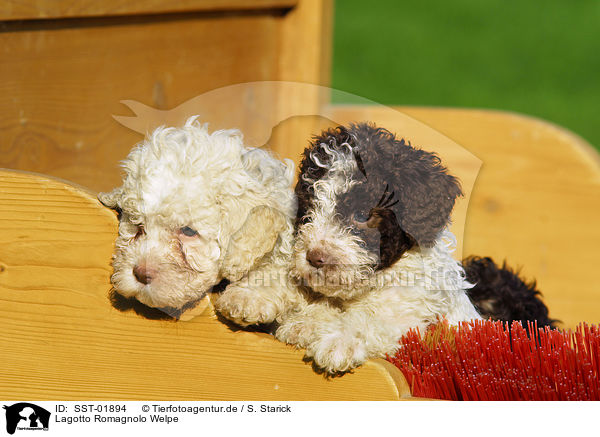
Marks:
<point>317,258</point>
<point>144,274</point>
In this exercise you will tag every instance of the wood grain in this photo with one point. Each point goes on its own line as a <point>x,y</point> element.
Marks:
<point>59,87</point>
<point>305,56</point>
<point>62,81</point>
<point>52,9</point>
<point>535,202</point>
<point>63,339</point>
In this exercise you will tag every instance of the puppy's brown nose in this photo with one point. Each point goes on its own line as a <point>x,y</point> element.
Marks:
<point>317,258</point>
<point>144,274</point>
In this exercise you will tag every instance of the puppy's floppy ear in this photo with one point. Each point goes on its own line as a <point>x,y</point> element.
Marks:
<point>252,241</point>
<point>111,199</point>
<point>415,184</point>
<point>428,194</point>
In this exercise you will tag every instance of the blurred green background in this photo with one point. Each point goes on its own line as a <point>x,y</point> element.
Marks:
<point>536,57</point>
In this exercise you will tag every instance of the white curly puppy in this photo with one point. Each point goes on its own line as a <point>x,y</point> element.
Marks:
<point>196,208</point>
<point>372,255</point>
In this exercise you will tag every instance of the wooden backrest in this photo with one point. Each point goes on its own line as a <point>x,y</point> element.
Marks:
<point>68,65</point>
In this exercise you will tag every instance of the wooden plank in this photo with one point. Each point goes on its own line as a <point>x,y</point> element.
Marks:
<point>59,87</point>
<point>63,339</point>
<point>535,202</point>
<point>305,57</point>
<point>306,47</point>
<point>53,9</point>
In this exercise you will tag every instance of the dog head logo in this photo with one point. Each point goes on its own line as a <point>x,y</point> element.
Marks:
<point>26,416</point>
<point>407,190</point>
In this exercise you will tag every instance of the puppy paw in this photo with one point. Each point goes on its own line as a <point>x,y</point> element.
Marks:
<point>246,306</point>
<point>297,332</point>
<point>338,352</point>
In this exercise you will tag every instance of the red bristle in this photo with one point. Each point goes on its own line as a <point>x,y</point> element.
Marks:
<point>488,361</point>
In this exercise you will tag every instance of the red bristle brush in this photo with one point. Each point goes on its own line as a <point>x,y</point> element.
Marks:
<point>487,361</point>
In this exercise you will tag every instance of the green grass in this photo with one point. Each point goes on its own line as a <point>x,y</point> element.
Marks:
<point>537,57</point>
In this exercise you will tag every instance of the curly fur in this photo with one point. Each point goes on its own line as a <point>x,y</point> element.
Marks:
<point>360,302</point>
<point>500,294</point>
<point>426,192</point>
<point>372,254</point>
<point>196,208</point>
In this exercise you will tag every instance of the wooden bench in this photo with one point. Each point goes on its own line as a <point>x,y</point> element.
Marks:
<point>532,196</point>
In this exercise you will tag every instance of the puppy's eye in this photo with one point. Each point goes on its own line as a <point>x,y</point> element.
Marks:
<point>304,220</point>
<point>188,232</point>
<point>361,216</point>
